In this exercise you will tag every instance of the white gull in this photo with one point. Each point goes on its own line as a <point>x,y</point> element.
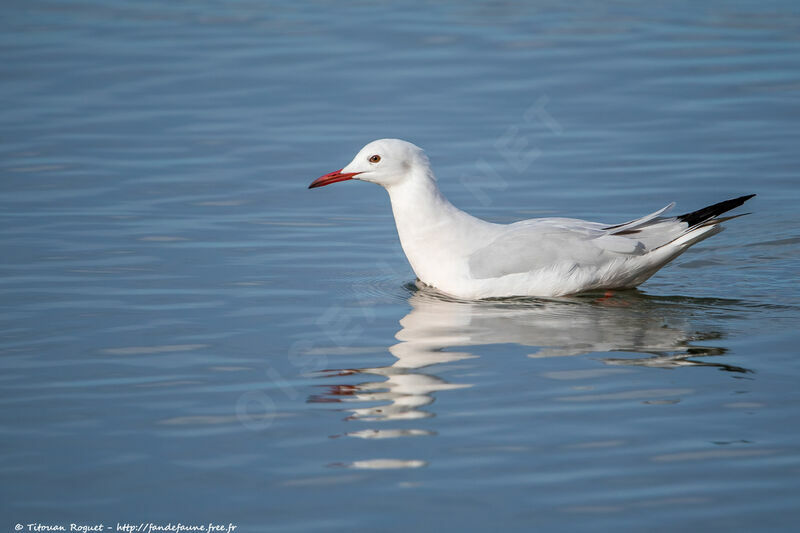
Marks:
<point>467,257</point>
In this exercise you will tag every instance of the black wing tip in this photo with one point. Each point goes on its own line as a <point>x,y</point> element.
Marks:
<point>707,213</point>
<point>743,198</point>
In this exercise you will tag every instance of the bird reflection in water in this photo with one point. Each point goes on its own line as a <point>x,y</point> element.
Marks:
<point>663,329</point>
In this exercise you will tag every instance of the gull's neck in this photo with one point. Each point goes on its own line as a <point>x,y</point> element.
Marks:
<point>418,204</point>
<point>433,231</point>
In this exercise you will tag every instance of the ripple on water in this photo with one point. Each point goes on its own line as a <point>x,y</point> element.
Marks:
<point>184,325</point>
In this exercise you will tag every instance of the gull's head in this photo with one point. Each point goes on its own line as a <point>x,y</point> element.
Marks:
<point>386,162</point>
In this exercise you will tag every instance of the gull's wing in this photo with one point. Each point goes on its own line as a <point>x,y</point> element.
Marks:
<point>564,243</point>
<point>636,223</point>
<point>548,243</point>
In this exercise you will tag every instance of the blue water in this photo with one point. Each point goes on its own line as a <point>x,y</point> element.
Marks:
<point>190,335</point>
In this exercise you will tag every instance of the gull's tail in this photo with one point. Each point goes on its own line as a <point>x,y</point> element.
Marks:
<point>709,214</point>
<point>704,223</point>
<point>669,237</point>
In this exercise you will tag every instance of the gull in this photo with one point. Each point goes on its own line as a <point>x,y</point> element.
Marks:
<point>470,258</point>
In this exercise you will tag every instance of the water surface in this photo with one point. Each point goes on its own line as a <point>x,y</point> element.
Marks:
<point>188,334</point>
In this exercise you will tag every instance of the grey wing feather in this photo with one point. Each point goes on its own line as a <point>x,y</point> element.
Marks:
<point>633,224</point>
<point>570,243</point>
<point>534,244</point>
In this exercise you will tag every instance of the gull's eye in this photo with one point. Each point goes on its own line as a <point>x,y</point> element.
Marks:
<point>375,159</point>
